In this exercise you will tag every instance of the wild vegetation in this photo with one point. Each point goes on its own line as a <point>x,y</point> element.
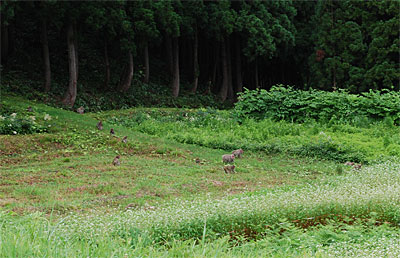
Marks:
<point>118,122</point>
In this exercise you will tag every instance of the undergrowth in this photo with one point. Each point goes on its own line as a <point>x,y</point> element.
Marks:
<point>220,130</point>
<point>328,107</point>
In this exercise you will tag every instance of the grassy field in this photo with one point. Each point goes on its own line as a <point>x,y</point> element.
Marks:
<point>292,195</point>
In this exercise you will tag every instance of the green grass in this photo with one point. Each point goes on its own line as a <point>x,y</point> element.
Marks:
<point>69,168</point>
<point>60,196</point>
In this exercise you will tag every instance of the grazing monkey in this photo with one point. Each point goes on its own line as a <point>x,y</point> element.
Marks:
<point>228,158</point>
<point>348,163</point>
<point>125,139</point>
<point>229,169</point>
<point>116,161</point>
<point>29,109</point>
<point>112,132</point>
<point>80,110</point>
<point>238,153</point>
<point>100,125</point>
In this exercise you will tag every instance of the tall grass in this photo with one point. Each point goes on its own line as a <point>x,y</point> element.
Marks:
<point>219,130</point>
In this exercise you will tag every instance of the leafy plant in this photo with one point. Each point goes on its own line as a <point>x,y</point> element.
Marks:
<point>300,106</point>
<point>11,125</point>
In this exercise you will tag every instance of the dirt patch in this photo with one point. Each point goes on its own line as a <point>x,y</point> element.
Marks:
<point>6,201</point>
<point>84,188</point>
<point>143,193</point>
<point>31,180</point>
<point>240,184</point>
<point>217,183</point>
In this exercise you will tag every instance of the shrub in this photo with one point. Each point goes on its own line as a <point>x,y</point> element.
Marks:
<point>286,103</point>
<point>11,125</point>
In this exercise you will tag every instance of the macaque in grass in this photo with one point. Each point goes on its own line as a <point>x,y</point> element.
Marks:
<point>228,158</point>
<point>100,125</point>
<point>81,110</point>
<point>125,139</point>
<point>29,109</point>
<point>112,132</point>
<point>238,153</point>
<point>229,169</point>
<point>116,161</point>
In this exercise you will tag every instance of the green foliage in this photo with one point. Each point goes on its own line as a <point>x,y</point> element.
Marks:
<point>329,150</point>
<point>12,123</point>
<point>266,26</point>
<point>334,107</point>
<point>221,130</point>
<point>366,56</point>
<point>13,126</point>
<point>143,95</point>
<point>140,94</point>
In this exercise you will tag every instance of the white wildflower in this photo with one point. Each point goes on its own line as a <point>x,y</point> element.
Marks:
<point>13,115</point>
<point>47,117</point>
<point>2,118</point>
<point>33,118</point>
<point>14,132</point>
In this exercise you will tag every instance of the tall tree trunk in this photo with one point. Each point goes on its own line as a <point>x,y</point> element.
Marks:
<point>11,39</point>
<point>106,66</point>
<point>175,77</point>
<point>76,50</point>
<point>170,61</point>
<point>46,57</point>
<point>334,78</point>
<point>256,74</point>
<point>146,63</point>
<point>196,70</point>
<point>229,60</point>
<point>4,43</point>
<point>127,78</point>
<point>239,78</point>
<point>215,66</point>
<point>225,80</point>
<point>70,94</point>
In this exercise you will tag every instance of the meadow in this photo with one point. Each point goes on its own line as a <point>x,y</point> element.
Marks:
<point>291,196</point>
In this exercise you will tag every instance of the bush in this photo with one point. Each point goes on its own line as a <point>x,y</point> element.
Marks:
<point>286,103</point>
<point>11,125</point>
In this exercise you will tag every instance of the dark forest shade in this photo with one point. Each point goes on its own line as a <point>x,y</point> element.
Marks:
<point>202,46</point>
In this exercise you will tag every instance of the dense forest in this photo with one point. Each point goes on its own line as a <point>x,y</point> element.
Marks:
<point>199,47</point>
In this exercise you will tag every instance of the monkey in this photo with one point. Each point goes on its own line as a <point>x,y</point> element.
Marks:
<point>197,160</point>
<point>125,139</point>
<point>100,125</point>
<point>228,158</point>
<point>238,153</point>
<point>80,110</point>
<point>112,132</point>
<point>348,163</point>
<point>116,161</point>
<point>29,109</point>
<point>229,169</point>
